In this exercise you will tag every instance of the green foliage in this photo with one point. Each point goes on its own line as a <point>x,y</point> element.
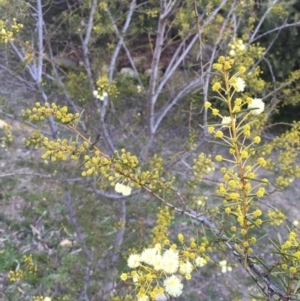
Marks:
<point>9,257</point>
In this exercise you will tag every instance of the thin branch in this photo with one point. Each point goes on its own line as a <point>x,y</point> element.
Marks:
<point>37,70</point>
<point>107,138</point>
<point>31,71</point>
<point>274,84</point>
<point>87,277</point>
<point>274,208</point>
<point>278,89</point>
<point>39,26</point>
<point>271,70</point>
<point>276,29</point>
<point>268,49</point>
<point>175,58</point>
<point>136,73</point>
<point>85,44</point>
<point>279,123</point>
<point>33,174</point>
<point>173,65</point>
<point>270,7</point>
<point>121,39</point>
<point>169,9</point>
<point>235,26</point>
<point>190,87</point>
<point>120,234</point>
<point>30,86</point>
<point>152,95</point>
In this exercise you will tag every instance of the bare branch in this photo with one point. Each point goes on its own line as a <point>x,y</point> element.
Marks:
<point>268,48</point>
<point>120,234</point>
<point>190,87</point>
<point>39,26</point>
<point>121,40</point>
<point>84,295</point>
<point>152,95</point>
<point>107,138</point>
<point>270,69</point>
<point>169,9</point>
<point>33,174</point>
<point>276,29</point>
<point>85,43</point>
<point>32,71</point>
<point>30,86</point>
<point>26,122</point>
<point>174,63</point>
<point>270,7</point>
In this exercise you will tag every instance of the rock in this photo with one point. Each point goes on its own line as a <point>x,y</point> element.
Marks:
<point>127,72</point>
<point>148,72</point>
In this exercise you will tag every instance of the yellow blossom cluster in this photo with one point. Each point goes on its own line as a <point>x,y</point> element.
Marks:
<point>285,149</point>
<point>29,269</point>
<point>7,31</point>
<point>102,5</point>
<point>15,276</point>
<point>38,298</point>
<point>224,64</point>
<point>276,217</point>
<point>35,140</point>
<point>234,191</point>
<point>156,270</point>
<point>152,13</point>
<point>127,297</point>
<point>62,149</point>
<point>119,168</point>
<point>202,165</point>
<point>160,232</point>
<point>105,88</point>
<point>41,112</point>
<point>154,177</point>
<point>161,268</point>
<point>120,171</point>
<point>237,47</point>
<point>6,136</point>
<point>290,262</point>
<point>30,266</point>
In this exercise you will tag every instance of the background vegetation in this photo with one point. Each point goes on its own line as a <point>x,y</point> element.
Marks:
<point>66,234</point>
